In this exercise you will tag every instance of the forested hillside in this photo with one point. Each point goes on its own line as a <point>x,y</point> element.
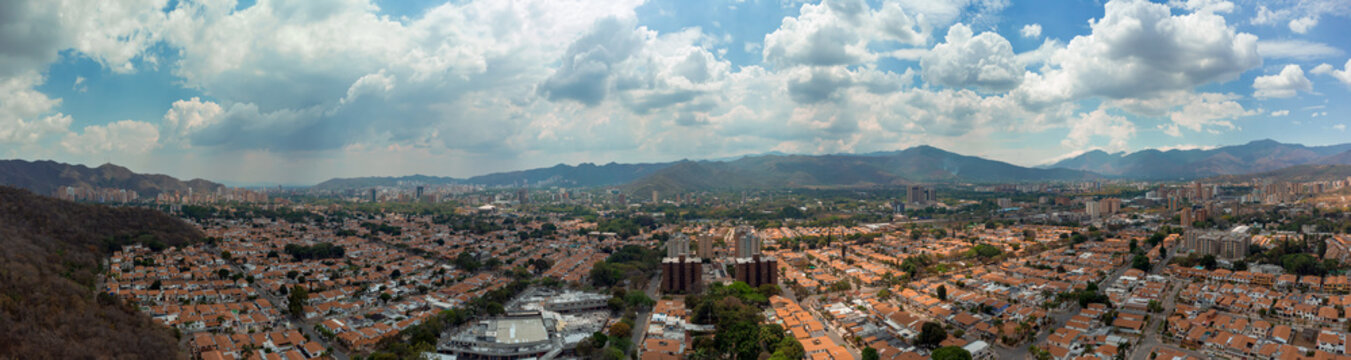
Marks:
<point>50,259</point>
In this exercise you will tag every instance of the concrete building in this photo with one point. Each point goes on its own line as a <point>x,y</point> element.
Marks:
<point>919,194</point>
<point>1004,203</point>
<point>681,274</point>
<point>1231,244</point>
<point>747,244</point>
<point>521,335</point>
<point>757,270</point>
<point>577,301</point>
<point>705,247</point>
<point>678,245</point>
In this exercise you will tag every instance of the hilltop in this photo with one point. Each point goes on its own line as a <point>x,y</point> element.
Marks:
<point>44,177</point>
<point>50,307</point>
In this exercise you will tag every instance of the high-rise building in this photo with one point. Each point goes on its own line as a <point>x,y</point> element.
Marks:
<point>918,194</point>
<point>418,197</point>
<point>705,247</point>
<point>747,244</point>
<point>522,196</point>
<point>1093,209</point>
<point>678,245</point>
<point>373,198</point>
<point>1004,203</point>
<point>655,197</point>
<point>681,274</point>
<point>757,270</point>
<point>1231,244</point>
<point>1186,217</point>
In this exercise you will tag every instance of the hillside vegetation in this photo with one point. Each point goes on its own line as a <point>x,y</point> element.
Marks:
<point>49,270</point>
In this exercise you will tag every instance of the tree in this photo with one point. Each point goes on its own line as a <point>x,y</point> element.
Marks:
<point>884,294</point>
<point>950,353</point>
<point>869,353</point>
<point>296,301</point>
<point>1140,262</point>
<point>1209,262</point>
<point>620,330</point>
<point>225,255</point>
<point>942,293</point>
<point>931,334</point>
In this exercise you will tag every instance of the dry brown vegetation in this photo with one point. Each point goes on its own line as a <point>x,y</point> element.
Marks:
<point>51,252</point>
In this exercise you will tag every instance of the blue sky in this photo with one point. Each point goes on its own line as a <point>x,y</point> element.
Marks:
<point>298,92</point>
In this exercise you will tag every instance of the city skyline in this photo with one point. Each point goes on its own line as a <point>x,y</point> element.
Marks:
<point>295,93</point>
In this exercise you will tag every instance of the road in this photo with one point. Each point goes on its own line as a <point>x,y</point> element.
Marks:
<point>644,317</point>
<point>1152,339</point>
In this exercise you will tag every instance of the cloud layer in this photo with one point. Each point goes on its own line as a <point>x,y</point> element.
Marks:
<point>504,84</point>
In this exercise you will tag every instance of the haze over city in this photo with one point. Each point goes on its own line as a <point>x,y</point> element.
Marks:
<point>298,92</point>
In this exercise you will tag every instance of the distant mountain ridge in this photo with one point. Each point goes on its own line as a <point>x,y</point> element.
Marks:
<point>581,175</point>
<point>45,176</point>
<point>1253,157</point>
<point>920,164</point>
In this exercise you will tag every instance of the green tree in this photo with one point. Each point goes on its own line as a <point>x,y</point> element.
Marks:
<point>942,292</point>
<point>931,334</point>
<point>1140,262</point>
<point>296,301</point>
<point>950,353</point>
<point>869,353</point>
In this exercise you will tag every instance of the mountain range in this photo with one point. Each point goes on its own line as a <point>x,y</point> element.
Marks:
<point>45,176</point>
<point>1253,157</point>
<point>582,175</point>
<point>920,164</point>
<point>914,165</point>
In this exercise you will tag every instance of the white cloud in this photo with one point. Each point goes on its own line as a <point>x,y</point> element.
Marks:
<point>188,116</point>
<point>1343,75</point>
<point>1213,6</point>
<point>1138,50</point>
<point>1283,85</point>
<point>1208,111</point>
<point>124,137</point>
<point>1302,25</point>
<point>27,115</point>
<point>1339,127</point>
<point>1296,49</point>
<point>837,32</point>
<point>1099,123</point>
<point>984,61</point>
<point>1280,113</point>
<point>1031,31</point>
<point>1266,16</point>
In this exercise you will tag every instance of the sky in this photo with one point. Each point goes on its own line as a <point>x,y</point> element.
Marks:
<point>296,92</point>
